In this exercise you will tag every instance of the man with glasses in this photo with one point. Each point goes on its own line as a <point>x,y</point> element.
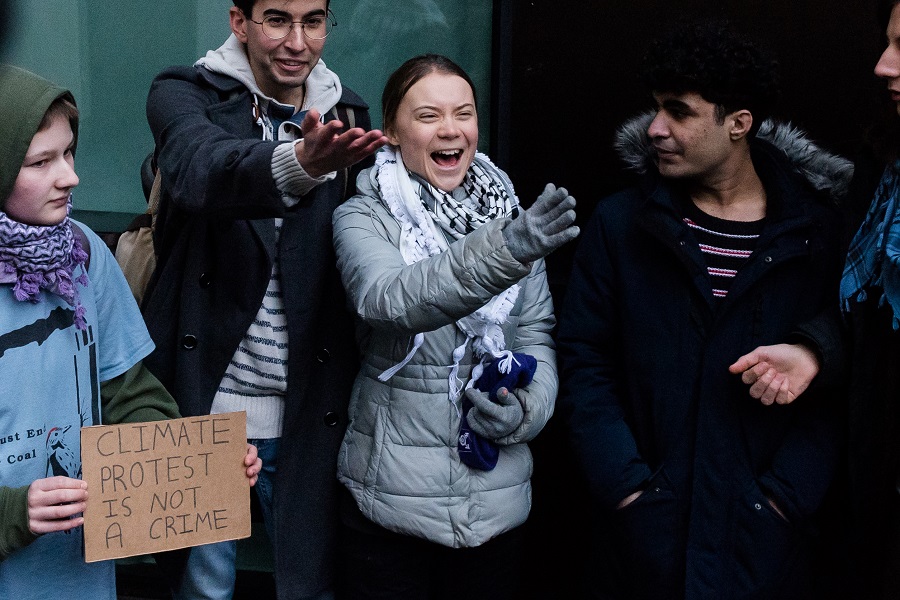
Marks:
<point>257,143</point>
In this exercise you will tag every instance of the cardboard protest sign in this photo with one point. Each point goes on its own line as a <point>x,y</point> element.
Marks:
<point>164,485</point>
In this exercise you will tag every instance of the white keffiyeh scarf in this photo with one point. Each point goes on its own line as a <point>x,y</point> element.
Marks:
<point>423,211</point>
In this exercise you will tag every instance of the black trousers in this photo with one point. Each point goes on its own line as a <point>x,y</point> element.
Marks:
<point>380,564</point>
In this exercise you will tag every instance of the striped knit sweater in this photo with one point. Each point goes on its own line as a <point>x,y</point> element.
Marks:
<point>726,245</point>
<point>256,378</point>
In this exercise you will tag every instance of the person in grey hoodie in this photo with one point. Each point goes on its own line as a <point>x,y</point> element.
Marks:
<point>257,143</point>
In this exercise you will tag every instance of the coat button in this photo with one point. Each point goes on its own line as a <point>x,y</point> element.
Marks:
<point>189,342</point>
<point>323,355</point>
<point>757,506</point>
<point>768,259</point>
<point>331,418</point>
<point>205,280</point>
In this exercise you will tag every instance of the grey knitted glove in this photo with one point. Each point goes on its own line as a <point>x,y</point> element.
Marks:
<point>494,420</point>
<point>544,227</point>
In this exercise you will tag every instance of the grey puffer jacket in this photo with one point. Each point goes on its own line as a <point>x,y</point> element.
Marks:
<point>399,456</point>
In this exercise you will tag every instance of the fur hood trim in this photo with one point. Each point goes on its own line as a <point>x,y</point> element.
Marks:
<point>825,171</point>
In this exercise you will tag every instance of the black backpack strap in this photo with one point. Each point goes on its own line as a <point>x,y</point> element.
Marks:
<point>345,114</point>
<point>348,116</point>
<point>85,243</point>
<point>139,221</point>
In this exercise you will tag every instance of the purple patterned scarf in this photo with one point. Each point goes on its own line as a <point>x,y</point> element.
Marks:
<point>35,258</point>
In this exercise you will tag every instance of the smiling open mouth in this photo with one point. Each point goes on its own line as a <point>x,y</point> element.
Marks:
<point>447,158</point>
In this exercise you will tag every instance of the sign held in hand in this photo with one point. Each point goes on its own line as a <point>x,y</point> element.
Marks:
<point>164,485</point>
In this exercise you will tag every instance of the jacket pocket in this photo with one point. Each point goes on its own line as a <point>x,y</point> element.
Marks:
<point>647,536</point>
<point>766,548</point>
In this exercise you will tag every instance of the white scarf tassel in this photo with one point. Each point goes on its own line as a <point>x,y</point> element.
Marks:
<point>417,343</point>
<point>506,359</point>
<point>456,384</point>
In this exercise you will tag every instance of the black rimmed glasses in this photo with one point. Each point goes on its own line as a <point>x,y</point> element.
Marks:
<point>277,27</point>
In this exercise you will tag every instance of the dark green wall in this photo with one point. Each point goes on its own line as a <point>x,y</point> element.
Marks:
<point>107,53</point>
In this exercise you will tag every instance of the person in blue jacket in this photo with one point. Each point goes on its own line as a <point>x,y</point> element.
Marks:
<point>730,240</point>
<point>71,347</point>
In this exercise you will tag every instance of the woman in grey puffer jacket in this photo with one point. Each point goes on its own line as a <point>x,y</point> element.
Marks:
<point>447,277</point>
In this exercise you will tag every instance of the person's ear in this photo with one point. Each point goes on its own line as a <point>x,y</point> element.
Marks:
<point>740,123</point>
<point>238,24</point>
<point>393,140</point>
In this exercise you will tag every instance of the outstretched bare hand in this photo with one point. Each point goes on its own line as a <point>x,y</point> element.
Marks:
<point>324,150</point>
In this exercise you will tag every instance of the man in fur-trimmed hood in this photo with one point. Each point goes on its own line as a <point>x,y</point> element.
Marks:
<point>699,486</point>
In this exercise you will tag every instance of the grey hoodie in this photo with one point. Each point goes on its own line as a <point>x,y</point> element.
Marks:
<point>323,91</point>
<point>323,88</point>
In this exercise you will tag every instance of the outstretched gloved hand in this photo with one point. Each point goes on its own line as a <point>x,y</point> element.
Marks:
<point>544,227</point>
<point>494,420</point>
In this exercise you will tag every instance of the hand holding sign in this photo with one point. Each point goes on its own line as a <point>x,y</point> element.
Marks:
<point>253,463</point>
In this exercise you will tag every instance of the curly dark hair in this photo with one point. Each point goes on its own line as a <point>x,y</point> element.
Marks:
<point>712,59</point>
